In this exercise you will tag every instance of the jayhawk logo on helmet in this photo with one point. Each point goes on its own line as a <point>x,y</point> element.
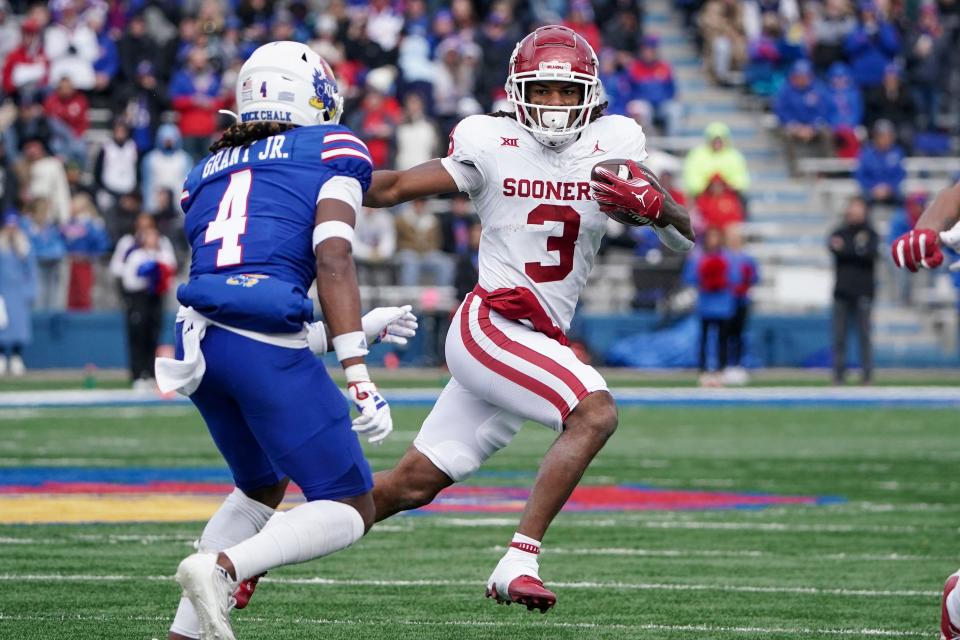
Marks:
<point>324,90</point>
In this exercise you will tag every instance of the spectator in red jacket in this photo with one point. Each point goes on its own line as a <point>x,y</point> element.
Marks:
<point>711,271</point>
<point>377,118</point>
<point>66,110</point>
<point>720,205</point>
<point>25,69</point>
<point>580,19</point>
<point>196,95</point>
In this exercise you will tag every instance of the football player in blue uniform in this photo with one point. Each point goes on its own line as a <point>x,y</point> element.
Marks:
<point>272,208</point>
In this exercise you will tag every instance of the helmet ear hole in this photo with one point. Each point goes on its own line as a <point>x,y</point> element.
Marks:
<point>303,57</point>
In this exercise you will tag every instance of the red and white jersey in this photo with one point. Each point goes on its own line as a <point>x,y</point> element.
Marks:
<point>540,227</point>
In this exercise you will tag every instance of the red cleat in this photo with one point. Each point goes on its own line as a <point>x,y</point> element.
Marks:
<point>525,590</point>
<point>245,591</point>
<point>947,630</point>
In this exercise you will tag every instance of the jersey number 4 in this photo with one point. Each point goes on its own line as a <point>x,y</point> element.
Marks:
<point>564,244</point>
<point>231,220</point>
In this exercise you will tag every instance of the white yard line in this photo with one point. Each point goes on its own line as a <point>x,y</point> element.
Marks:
<point>734,553</point>
<point>498,624</point>
<point>616,585</point>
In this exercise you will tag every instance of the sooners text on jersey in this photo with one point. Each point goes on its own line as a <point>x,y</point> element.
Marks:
<point>541,229</point>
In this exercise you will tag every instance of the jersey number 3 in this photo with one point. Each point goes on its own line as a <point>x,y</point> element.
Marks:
<point>564,244</point>
<point>231,220</point>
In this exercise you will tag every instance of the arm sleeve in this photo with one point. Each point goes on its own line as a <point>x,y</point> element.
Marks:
<point>673,239</point>
<point>343,188</point>
<point>464,157</point>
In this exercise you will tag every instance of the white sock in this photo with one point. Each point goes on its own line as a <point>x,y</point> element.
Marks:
<point>186,622</point>
<point>238,518</point>
<point>523,546</point>
<point>308,531</point>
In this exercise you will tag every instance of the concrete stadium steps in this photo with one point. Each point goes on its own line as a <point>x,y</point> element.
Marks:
<point>802,233</point>
<point>755,148</point>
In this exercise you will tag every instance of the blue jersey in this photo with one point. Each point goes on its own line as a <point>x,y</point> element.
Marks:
<point>251,209</point>
<point>273,411</point>
<point>250,213</point>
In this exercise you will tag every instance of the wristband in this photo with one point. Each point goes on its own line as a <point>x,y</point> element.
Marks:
<point>357,373</point>
<point>350,345</point>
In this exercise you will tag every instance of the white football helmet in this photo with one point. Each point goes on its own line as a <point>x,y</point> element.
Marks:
<point>288,82</point>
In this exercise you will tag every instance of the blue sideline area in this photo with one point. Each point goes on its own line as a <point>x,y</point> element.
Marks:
<point>642,340</point>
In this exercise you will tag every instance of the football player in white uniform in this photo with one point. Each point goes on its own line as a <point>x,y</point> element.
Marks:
<point>529,176</point>
<point>918,249</point>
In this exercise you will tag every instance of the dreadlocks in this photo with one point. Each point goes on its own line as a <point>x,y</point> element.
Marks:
<point>241,134</point>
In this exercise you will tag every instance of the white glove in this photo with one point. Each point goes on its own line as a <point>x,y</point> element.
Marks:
<point>383,324</point>
<point>389,324</point>
<point>374,420</point>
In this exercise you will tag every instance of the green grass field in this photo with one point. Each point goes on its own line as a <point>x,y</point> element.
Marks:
<point>870,566</point>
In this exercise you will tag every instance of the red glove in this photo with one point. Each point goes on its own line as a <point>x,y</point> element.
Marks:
<point>636,194</point>
<point>916,249</point>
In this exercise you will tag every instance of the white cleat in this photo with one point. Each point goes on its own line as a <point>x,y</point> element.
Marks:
<point>210,589</point>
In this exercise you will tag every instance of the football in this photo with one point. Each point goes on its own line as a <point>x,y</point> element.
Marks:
<point>620,168</point>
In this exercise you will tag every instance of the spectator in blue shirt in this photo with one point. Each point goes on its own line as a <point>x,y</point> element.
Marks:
<point>107,64</point>
<point>617,86</point>
<point>712,272</point>
<point>880,171</point>
<point>87,239</point>
<point>765,70</point>
<point>871,46</point>
<point>48,250</point>
<point>18,277</point>
<point>802,109</point>
<point>747,273</point>
<point>653,83</point>
<point>844,109</point>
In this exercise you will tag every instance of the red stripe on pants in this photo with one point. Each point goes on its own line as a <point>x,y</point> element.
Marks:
<point>524,352</point>
<point>517,377</point>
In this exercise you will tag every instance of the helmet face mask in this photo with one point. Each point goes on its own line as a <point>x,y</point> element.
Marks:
<point>288,82</point>
<point>553,54</point>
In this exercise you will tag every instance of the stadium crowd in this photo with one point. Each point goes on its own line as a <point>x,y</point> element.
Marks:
<point>834,70</point>
<point>76,180</point>
<point>105,106</point>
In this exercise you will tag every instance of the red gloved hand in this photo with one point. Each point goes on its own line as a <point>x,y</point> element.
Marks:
<point>636,193</point>
<point>916,249</point>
